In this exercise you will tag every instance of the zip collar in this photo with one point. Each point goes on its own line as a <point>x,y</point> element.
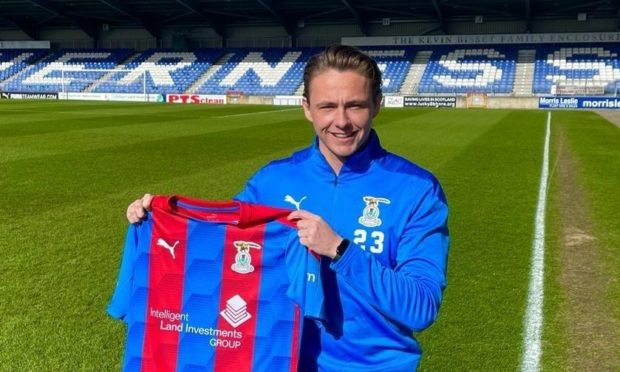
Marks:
<point>354,166</point>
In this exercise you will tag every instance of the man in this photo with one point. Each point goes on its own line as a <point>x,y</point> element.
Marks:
<point>379,220</point>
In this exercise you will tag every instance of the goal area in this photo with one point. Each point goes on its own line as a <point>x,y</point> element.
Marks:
<point>103,81</point>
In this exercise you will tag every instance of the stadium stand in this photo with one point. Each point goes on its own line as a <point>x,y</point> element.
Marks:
<point>260,72</point>
<point>490,69</point>
<point>577,70</point>
<point>280,71</point>
<point>13,61</point>
<point>483,69</point>
<point>66,70</point>
<point>166,72</point>
<point>273,71</point>
<point>394,64</point>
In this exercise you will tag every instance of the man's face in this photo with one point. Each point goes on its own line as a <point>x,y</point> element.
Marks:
<point>341,109</point>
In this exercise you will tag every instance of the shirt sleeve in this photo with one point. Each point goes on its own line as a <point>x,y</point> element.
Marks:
<point>119,304</point>
<point>410,293</point>
<point>306,287</point>
<point>249,194</point>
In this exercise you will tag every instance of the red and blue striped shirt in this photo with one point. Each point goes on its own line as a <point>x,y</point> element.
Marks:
<point>214,286</point>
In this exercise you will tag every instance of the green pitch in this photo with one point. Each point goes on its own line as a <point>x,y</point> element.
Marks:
<point>68,170</point>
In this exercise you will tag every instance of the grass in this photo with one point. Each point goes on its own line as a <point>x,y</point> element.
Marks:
<point>492,187</point>
<point>593,145</point>
<point>69,170</point>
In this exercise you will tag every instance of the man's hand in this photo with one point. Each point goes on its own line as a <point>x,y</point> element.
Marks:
<point>137,210</point>
<point>315,233</point>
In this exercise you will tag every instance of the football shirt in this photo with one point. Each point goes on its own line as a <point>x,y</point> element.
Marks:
<point>214,286</point>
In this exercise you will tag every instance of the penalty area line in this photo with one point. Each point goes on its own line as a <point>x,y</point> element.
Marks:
<point>533,321</point>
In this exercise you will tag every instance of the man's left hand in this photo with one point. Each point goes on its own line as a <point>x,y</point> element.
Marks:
<point>315,233</point>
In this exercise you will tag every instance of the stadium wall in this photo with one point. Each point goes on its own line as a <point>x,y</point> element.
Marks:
<point>461,102</point>
<point>508,102</point>
<point>307,35</point>
<point>135,38</point>
<point>400,28</point>
<point>67,38</point>
<point>469,28</point>
<point>590,25</point>
<point>193,37</point>
<point>13,35</point>
<point>430,28</point>
<point>59,38</point>
<point>487,27</point>
<point>257,37</point>
<point>323,35</point>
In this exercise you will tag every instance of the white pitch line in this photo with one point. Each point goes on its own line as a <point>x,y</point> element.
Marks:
<point>533,321</point>
<point>256,113</point>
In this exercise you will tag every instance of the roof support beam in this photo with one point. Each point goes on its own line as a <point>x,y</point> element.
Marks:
<point>617,2</point>
<point>50,8</point>
<point>231,15</point>
<point>218,26</point>
<point>268,5</point>
<point>430,30</point>
<point>326,12</point>
<point>29,29</point>
<point>528,16</point>
<point>484,11</point>
<point>584,6</point>
<point>360,19</point>
<point>289,25</point>
<point>88,27</point>
<point>442,22</point>
<point>371,9</point>
<point>120,7</point>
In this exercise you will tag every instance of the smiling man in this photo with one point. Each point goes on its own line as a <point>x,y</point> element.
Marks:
<point>341,106</point>
<point>378,220</point>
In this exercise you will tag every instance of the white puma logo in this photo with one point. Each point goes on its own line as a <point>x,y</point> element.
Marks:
<point>162,243</point>
<point>297,204</point>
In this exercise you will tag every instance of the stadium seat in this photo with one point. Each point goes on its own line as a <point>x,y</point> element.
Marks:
<point>67,70</point>
<point>279,71</point>
<point>456,70</point>
<point>576,70</point>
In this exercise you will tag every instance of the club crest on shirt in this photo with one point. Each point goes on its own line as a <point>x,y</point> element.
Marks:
<point>243,259</point>
<point>370,214</point>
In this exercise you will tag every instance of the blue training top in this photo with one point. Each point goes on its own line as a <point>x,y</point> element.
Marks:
<point>389,282</point>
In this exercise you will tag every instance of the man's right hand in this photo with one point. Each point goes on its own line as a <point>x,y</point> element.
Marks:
<point>137,210</point>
